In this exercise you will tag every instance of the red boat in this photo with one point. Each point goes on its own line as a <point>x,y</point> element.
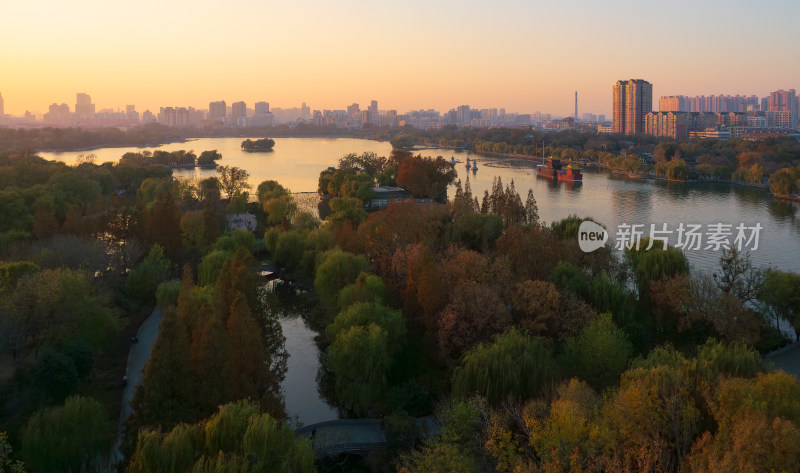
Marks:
<point>553,170</point>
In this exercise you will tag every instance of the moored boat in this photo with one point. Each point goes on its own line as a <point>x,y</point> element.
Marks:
<point>554,170</point>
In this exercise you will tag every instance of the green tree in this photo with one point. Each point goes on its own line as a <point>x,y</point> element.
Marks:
<point>648,265</point>
<point>208,158</point>
<point>780,297</point>
<point>237,438</point>
<point>359,359</point>
<point>237,203</point>
<point>600,354</point>
<point>289,249</point>
<point>143,280</point>
<point>337,270</point>
<point>513,366</point>
<point>74,437</point>
<point>56,375</point>
<point>367,288</point>
<point>193,228</point>
<point>366,313</point>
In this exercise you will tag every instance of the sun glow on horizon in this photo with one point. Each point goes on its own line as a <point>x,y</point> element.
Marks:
<point>523,56</point>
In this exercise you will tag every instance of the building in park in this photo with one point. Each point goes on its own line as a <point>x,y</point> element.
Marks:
<point>385,195</point>
<point>632,101</point>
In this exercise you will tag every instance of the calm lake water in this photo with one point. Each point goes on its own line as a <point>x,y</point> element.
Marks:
<point>300,391</point>
<point>297,162</point>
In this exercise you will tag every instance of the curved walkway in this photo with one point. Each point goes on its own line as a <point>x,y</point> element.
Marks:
<point>786,359</point>
<point>137,356</point>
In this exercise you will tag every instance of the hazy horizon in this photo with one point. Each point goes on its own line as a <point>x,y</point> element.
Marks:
<point>521,56</point>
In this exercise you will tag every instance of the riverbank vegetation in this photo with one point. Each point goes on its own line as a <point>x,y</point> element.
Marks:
<point>735,160</point>
<point>532,355</point>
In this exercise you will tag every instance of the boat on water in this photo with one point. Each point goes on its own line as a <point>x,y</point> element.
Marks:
<point>474,166</point>
<point>468,165</point>
<point>554,170</point>
<point>453,160</point>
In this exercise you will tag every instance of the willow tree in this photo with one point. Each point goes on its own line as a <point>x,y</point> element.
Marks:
<point>237,438</point>
<point>359,359</point>
<point>70,438</point>
<point>513,366</point>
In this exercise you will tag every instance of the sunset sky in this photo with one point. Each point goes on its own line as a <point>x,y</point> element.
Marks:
<point>524,55</point>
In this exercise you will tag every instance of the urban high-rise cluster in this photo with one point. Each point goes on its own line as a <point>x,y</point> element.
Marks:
<point>718,116</point>
<point>238,114</point>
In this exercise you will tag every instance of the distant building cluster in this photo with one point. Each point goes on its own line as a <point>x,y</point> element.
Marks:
<point>239,114</point>
<point>718,116</point>
<point>678,117</point>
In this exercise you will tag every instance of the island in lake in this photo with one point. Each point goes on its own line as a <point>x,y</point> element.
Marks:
<point>264,144</point>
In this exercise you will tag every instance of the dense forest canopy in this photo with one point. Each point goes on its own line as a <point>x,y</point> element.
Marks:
<point>531,354</point>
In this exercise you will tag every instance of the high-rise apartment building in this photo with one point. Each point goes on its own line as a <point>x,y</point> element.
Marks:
<point>783,108</point>
<point>261,108</point>
<point>373,111</point>
<point>131,114</point>
<point>217,111</point>
<point>463,114</point>
<point>674,103</point>
<point>57,114</point>
<point>632,100</point>
<point>84,107</point>
<point>239,113</point>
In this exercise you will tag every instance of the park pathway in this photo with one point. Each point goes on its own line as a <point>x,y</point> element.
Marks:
<point>786,359</point>
<point>137,356</point>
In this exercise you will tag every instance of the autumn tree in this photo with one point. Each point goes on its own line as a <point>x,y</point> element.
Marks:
<point>654,416</point>
<point>566,432</point>
<point>426,177</point>
<point>473,314</point>
<point>232,179</point>
<point>738,276</point>
<point>165,396</point>
<point>162,223</point>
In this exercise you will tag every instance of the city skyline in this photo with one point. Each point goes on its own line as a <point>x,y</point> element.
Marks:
<point>514,55</point>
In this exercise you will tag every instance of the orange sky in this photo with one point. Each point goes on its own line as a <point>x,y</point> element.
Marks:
<point>521,55</point>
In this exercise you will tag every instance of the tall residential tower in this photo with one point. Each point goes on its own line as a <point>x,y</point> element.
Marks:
<point>632,101</point>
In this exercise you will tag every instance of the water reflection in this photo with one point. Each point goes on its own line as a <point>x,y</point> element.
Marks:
<point>303,400</point>
<point>783,209</point>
